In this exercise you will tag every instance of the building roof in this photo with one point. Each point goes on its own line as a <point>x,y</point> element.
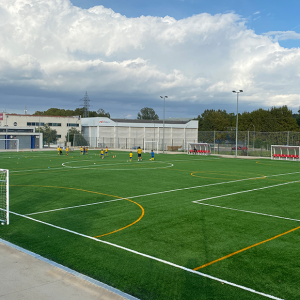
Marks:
<point>150,121</point>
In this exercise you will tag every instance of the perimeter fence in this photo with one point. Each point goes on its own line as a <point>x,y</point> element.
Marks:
<point>249,143</point>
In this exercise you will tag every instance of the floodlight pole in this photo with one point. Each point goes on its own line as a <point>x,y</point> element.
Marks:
<point>164,97</point>
<point>237,119</point>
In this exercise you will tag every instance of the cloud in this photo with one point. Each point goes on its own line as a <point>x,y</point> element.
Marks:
<point>283,35</point>
<point>52,48</point>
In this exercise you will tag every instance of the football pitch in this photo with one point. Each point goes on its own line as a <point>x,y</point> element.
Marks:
<point>180,227</point>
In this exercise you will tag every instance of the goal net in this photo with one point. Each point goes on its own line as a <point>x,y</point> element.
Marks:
<point>285,152</point>
<point>150,145</point>
<point>199,148</point>
<point>4,196</point>
<point>9,145</point>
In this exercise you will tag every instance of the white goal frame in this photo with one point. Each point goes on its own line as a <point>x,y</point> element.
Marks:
<point>201,148</point>
<point>151,148</point>
<point>4,196</point>
<point>7,142</point>
<point>281,152</point>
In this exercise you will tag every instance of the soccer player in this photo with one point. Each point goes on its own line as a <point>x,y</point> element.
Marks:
<point>58,149</point>
<point>102,153</point>
<point>67,150</point>
<point>106,151</point>
<point>139,152</point>
<point>81,150</point>
<point>86,150</point>
<point>152,155</point>
<point>130,156</point>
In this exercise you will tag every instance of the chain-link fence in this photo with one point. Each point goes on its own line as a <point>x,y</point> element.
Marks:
<point>167,144</point>
<point>250,143</point>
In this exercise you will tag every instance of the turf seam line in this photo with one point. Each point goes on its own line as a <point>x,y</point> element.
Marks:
<point>154,258</point>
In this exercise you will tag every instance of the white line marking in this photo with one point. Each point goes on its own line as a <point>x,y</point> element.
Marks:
<point>163,192</point>
<point>154,258</point>
<point>247,211</point>
<point>247,191</point>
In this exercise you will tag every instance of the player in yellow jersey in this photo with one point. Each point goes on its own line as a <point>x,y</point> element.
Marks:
<point>139,152</point>
<point>130,156</point>
<point>106,151</point>
<point>81,150</point>
<point>58,149</point>
<point>67,150</point>
<point>102,153</point>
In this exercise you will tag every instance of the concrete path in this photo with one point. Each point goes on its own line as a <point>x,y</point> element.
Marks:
<point>27,276</point>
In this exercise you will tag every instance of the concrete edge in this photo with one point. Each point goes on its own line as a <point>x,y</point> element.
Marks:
<point>66,269</point>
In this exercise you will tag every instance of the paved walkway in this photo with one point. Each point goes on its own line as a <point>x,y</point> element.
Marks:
<point>27,276</point>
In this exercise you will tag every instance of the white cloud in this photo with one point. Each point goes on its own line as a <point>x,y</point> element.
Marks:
<point>52,46</point>
<point>283,35</point>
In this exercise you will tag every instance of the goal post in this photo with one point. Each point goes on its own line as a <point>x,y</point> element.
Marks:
<point>151,145</point>
<point>281,152</point>
<point>4,196</point>
<point>199,148</point>
<point>9,145</point>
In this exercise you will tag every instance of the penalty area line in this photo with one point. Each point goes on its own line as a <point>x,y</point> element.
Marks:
<point>153,258</point>
<point>247,191</point>
<point>248,211</point>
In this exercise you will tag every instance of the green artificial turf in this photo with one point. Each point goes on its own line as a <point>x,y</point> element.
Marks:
<point>64,207</point>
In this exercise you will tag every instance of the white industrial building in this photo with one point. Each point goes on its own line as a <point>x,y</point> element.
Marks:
<point>127,134</point>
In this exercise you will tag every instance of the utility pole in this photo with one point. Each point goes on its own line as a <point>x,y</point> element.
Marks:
<point>86,104</point>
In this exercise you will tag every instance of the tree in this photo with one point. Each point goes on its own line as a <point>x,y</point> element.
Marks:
<point>214,120</point>
<point>147,113</point>
<point>76,137</point>
<point>102,113</point>
<point>49,135</point>
<point>68,112</point>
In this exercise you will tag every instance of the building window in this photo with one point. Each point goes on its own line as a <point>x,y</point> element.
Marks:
<point>59,136</point>
<point>15,124</point>
<point>54,124</point>
<point>72,125</point>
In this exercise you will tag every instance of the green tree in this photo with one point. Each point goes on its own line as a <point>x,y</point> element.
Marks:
<point>76,138</point>
<point>49,135</point>
<point>68,112</point>
<point>214,120</point>
<point>101,113</point>
<point>147,113</point>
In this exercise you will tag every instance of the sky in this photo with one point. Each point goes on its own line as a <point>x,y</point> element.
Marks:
<point>126,54</point>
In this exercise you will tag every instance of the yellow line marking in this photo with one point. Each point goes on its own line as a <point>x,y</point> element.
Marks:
<point>239,251</point>
<point>68,188</point>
